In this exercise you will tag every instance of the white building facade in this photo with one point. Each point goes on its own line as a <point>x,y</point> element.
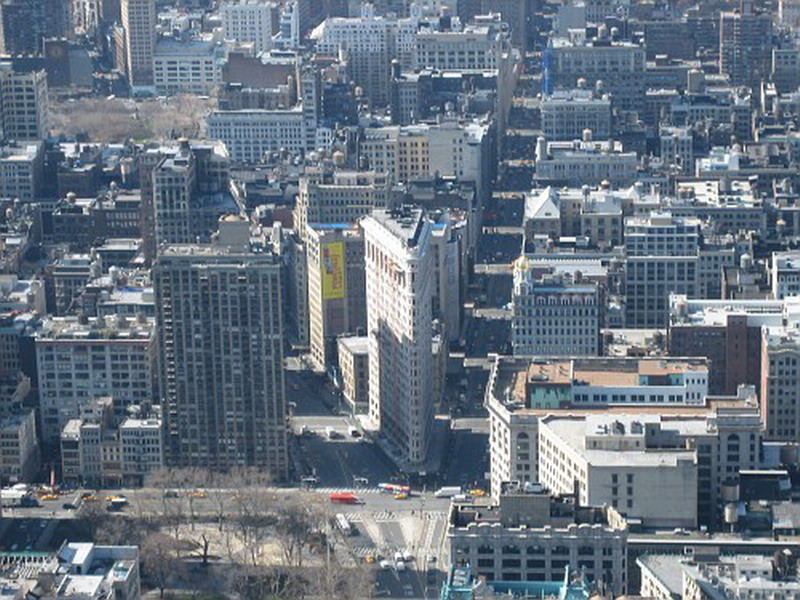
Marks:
<point>400,281</point>
<point>248,21</point>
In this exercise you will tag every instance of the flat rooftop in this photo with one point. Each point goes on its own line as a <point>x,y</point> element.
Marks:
<point>616,372</point>
<point>573,431</point>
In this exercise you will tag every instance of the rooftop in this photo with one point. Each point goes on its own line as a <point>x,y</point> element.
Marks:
<point>355,344</point>
<point>404,223</point>
<point>573,432</point>
<point>715,313</point>
<point>92,328</point>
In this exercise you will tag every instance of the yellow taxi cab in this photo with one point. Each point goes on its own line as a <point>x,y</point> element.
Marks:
<point>400,496</point>
<point>198,494</point>
<point>477,493</point>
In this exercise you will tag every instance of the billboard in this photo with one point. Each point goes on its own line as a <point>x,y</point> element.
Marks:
<point>333,283</point>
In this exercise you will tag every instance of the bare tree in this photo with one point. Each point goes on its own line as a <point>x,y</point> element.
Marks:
<point>296,527</point>
<point>159,554</point>
<point>261,583</point>
<point>252,523</point>
<point>218,491</point>
<point>334,581</point>
<point>113,529</point>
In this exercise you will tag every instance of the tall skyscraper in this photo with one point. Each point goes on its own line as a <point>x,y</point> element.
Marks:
<point>176,180</point>
<point>24,103</point>
<point>745,44</point>
<point>336,302</point>
<point>21,26</point>
<point>173,186</point>
<point>221,352</point>
<point>663,259</point>
<point>139,21</point>
<point>400,288</point>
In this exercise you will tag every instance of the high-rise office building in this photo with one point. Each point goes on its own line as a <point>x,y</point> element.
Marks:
<point>249,21</point>
<point>400,288</point>
<point>329,198</point>
<point>745,44</point>
<point>662,259</point>
<point>780,353</point>
<point>81,358</point>
<point>179,182</point>
<point>24,24</point>
<point>21,26</point>
<point>24,103</point>
<point>620,65</point>
<point>221,352</point>
<point>173,186</point>
<point>336,302</point>
<point>139,20</point>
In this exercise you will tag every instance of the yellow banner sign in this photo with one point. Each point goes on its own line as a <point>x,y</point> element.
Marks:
<point>333,283</point>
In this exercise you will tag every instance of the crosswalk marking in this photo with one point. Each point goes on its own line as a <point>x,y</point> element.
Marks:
<point>355,517</point>
<point>364,551</point>
<point>345,490</point>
